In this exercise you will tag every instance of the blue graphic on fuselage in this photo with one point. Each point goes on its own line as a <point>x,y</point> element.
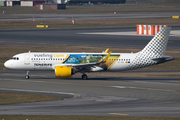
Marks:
<point>75,59</point>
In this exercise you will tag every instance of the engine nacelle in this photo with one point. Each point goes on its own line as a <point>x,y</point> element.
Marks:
<point>63,71</point>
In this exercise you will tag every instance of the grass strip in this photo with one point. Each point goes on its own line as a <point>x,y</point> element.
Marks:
<point>56,117</point>
<point>87,23</point>
<point>12,98</point>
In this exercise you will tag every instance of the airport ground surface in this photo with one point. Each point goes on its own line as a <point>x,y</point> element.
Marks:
<point>107,96</point>
<point>122,37</point>
<point>124,96</point>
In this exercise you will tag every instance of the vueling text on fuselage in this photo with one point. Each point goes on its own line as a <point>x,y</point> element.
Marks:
<point>48,55</point>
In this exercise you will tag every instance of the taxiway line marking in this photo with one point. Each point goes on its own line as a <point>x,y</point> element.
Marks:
<point>155,82</point>
<point>118,86</point>
<point>118,114</point>
<point>22,90</point>
<point>121,87</point>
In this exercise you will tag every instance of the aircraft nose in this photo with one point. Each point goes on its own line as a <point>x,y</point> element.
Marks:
<point>7,64</point>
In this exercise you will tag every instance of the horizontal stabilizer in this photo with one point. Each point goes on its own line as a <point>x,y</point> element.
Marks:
<point>164,58</point>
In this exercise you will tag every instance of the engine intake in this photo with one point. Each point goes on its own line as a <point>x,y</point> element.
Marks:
<point>63,71</point>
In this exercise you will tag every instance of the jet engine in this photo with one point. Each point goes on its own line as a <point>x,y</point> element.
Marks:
<point>63,71</point>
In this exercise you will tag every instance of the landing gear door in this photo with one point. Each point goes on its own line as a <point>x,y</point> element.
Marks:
<point>27,59</point>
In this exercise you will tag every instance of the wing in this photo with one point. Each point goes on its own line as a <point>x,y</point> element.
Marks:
<point>92,64</point>
<point>85,66</point>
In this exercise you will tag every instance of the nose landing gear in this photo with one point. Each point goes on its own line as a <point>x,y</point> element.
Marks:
<point>27,75</point>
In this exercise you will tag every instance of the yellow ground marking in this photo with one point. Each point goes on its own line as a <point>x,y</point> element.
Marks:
<point>2,41</point>
<point>118,114</point>
<point>20,42</point>
<point>177,17</point>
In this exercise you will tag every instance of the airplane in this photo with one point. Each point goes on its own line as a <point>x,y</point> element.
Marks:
<point>67,64</point>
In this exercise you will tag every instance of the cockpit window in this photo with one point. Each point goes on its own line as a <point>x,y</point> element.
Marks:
<point>15,58</point>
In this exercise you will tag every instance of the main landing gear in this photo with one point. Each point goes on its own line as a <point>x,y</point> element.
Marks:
<point>27,75</point>
<point>84,77</point>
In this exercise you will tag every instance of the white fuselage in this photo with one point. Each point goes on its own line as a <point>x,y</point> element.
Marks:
<point>48,61</point>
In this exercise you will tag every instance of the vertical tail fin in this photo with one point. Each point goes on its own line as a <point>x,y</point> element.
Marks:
<point>153,51</point>
<point>157,46</point>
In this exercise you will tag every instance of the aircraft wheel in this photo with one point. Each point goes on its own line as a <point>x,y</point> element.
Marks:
<point>84,77</point>
<point>27,76</point>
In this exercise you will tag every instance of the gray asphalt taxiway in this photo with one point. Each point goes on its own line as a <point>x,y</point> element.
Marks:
<point>122,96</point>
